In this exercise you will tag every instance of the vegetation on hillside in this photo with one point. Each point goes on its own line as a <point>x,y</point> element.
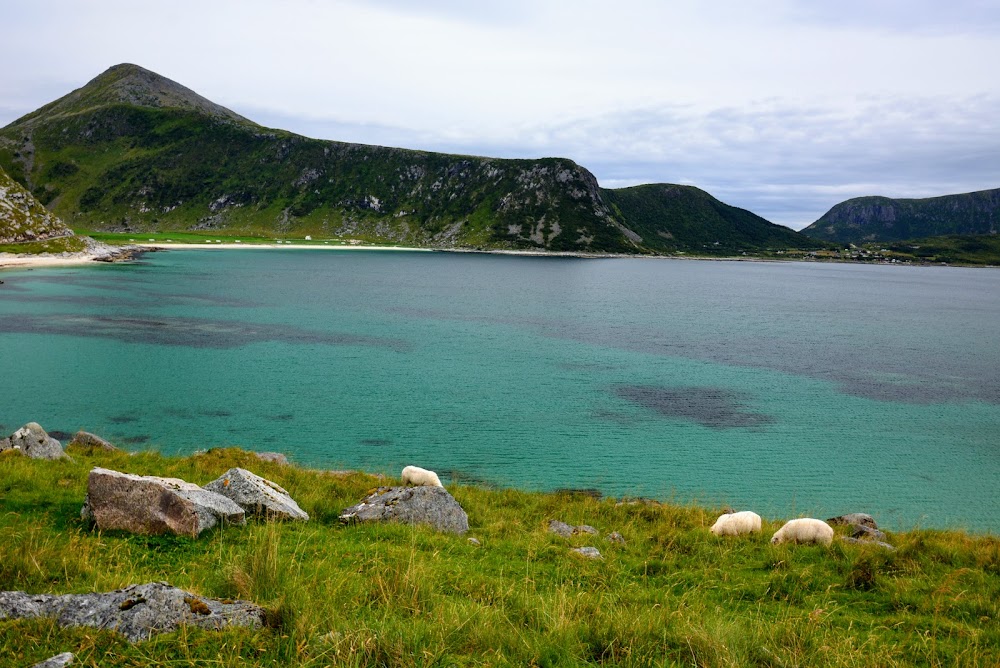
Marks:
<point>881,219</point>
<point>394,595</point>
<point>22,217</point>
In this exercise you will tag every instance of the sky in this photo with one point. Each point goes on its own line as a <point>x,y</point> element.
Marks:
<point>782,107</point>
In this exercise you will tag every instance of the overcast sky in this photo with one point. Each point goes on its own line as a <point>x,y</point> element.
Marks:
<point>783,107</point>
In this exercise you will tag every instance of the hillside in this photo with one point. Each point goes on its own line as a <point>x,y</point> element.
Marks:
<point>883,219</point>
<point>672,218</point>
<point>132,151</point>
<point>22,217</point>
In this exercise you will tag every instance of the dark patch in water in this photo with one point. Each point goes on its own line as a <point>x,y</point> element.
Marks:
<point>376,441</point>
<point>281,417</point>
<point>215,413</point>
<point>713,407</point>
<point>189,332</point>
<point>464,478</point>
<point>177,412</point>
<point>136,440</point>
<point>60,435</point>
<point>122,419</point>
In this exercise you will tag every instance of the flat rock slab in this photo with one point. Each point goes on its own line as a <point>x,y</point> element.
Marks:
<point>33,441</point>
<point>433,506</point>
<point>137,612</point>
<point>257,496</point>
<point>57,661</point>
<point>587,552</point>
<point>567,530</point>
<point>84,439</point>
<point>152,505</point>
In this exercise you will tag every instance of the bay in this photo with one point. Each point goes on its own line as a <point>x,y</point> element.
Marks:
<point>788,388</point>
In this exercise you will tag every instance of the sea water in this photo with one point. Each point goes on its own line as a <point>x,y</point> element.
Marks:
<point>789,388</point>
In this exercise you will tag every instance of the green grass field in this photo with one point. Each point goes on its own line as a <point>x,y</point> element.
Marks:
<point>394,595</point>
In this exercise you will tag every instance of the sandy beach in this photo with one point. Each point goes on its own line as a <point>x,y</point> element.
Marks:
<point>183,246</point>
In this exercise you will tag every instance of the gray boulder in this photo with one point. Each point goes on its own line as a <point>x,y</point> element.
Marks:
<point>566,530</point>
<point>84,439</point>
<point>432,506</point>
<point>587,552</point>
<point>152,505</point>
<point>866,532</point>
<point>862,519</point>
<point>274,457</point>
<point>137,612</point>
<point>33,441</point>
<point>257,496</point>
<point>615,537</point>
<point>57,661</point>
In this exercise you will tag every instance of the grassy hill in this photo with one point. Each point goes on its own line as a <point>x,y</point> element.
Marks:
<point>395,595</point>
<point>672,218</point>
<point>875,219</point>
<point>132,151</point>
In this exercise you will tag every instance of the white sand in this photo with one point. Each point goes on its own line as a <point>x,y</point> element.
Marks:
<point>181,246</point>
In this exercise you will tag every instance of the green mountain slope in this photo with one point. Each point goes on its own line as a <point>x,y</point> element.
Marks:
<point>22,217</point>
<point>132,151</point>
<point>884,219</point>
<point>672,218</point>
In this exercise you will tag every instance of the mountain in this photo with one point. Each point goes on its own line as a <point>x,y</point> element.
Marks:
<point>22,217</point>
<point>133,151</point>
<point>883,219</point>
<point>672,218</point>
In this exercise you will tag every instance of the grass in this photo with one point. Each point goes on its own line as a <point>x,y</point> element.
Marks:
<point>60,245</point>
<point>394,595</point>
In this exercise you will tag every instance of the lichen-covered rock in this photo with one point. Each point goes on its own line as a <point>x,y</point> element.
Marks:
<point>137,612</point>
<point>615,537</point>
<point>862,519</point>
<point>152,505</point>
<point>33,441</point>
<point>57,661</point>
<point>84,439</point>
<point>257,496</point>
<point>587,552</point>
<point>432,506</point>
<point>567,530</point>
<point>866,532</point>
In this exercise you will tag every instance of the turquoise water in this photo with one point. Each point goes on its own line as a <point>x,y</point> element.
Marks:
<point>788,388</point>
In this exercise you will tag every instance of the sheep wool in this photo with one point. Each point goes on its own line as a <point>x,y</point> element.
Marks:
<point>734,524</point>
<point>414,475</point>
<point>805,530</point>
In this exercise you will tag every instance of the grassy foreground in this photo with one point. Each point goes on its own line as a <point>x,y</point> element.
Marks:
<point>395,595</point>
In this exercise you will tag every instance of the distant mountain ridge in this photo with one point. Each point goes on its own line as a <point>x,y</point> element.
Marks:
<point>865,219</point>
<point>134,151</point>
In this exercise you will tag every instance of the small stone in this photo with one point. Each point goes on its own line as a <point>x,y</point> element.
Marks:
<point>566,530</point>
<point>588,552</point>
<point>859,541</point>
<point>862,531</point>
<point>57,661</point>
<point>615,537</point>
<point>273,457</point>
<point>475,542</point>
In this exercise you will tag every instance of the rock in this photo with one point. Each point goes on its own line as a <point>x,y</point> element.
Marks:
<point>474,542</point>
<point>32,441</point>
<point>57,661</point>
<point>273,457</point>
<point>566,530</point>
<point>433,506</point>
<point>257,496</point>
<point>588,552</point>
<point>137,612</point>
<point>862,531</point>
<point>864,519</point>
<point>152,505</point>
<point>84,439</point>
<point>859,541</point>
<point>615,537</point>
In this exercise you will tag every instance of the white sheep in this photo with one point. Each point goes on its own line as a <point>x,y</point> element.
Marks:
<point>734,524</point>
<point>805,530</point>
<point>414,475</point>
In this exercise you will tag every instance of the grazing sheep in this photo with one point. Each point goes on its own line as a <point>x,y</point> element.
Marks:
<point>414,475</point>
<point>805,530</point>
<point>734,524</point>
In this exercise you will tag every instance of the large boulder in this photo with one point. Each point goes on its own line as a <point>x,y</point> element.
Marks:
<point>257,496</point>
<point>433,506</point>
<point>860,519</point>
<point>152,505</point>
<point>137,612</point>
<point>84,439</point>
<point>33,441</point>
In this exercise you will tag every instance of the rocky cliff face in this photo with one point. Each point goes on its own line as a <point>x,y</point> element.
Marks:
<point>884,219</point>
<point>22,217</point>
